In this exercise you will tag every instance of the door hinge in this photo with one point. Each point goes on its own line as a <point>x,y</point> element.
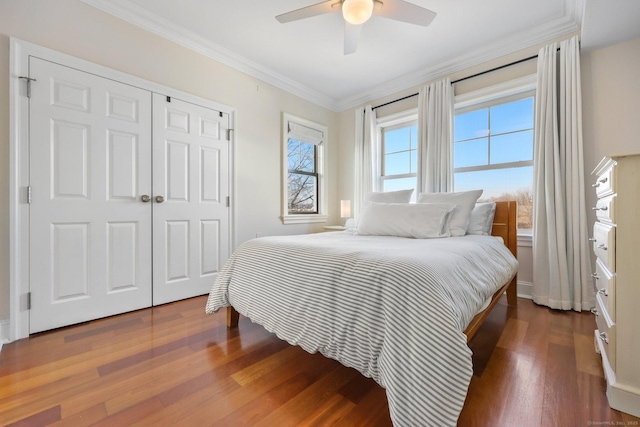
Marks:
<point>29,80</point>
<point>228,201</point>
<point>29,194</point>
<point>168,99</point>
<point>28,300</point>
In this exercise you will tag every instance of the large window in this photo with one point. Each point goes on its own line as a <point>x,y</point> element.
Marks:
<point>492,147</point>
<point>399,152</point>
<point>303,171</point>
<point>493,150</point>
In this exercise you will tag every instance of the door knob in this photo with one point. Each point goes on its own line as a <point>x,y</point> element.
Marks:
<point>145,198</point>
<point>159,199</point>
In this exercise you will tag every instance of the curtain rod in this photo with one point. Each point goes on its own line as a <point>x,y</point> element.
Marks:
<point>463,78</point>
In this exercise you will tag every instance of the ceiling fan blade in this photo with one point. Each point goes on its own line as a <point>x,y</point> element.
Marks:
<point>351,37</point>
<point>401,10</point>
<point>309,11</point>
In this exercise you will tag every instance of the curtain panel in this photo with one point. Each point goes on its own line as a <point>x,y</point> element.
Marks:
<point>561,255</point>
<point>366,156</point>
<point>435,134</point>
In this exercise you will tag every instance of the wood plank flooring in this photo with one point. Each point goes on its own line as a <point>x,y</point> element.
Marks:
<point>173,365</point>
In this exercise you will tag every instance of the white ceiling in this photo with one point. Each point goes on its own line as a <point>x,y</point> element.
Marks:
<point>306,57</point>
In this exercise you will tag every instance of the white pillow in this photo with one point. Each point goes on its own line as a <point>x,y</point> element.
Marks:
<point>481,219</point>
<point>400,196</point>
<point>464,201</point>
<point>405,220</point>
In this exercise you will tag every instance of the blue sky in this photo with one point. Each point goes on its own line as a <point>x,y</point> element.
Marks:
<point>511,140</point>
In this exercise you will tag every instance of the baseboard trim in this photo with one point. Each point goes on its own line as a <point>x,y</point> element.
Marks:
<point>4,332</point>
<point>624,398</point>
<point>525,289</point>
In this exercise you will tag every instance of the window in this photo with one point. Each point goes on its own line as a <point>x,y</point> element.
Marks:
<point>398,152</point>
<point>493,148</point>
<point>303,171</point>
<point>302,177</point>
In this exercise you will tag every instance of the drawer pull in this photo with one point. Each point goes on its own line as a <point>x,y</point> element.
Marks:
<point>595,276</point>
<point>603,208</point>
<point>604,292</point>
<point>600,181</point>
<point>603,336</point>
<point>594,311</point>
<point>602,246</point>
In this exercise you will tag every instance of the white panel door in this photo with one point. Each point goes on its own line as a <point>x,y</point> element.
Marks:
<point>90,233</point>
<point>190,190</point>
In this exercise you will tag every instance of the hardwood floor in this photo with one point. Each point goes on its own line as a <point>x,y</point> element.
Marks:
<point>173,365</point>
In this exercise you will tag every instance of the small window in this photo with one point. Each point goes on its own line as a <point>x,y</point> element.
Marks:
<point>302,177</point>
<point>398,152</point>
<point>493,150</point>
<point>303,171</point>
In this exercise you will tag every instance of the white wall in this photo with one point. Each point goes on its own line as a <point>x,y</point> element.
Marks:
<point>610,106</point>
<point>77,29</point>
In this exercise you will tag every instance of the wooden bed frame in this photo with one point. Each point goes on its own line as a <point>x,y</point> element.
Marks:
<point>505,226</point>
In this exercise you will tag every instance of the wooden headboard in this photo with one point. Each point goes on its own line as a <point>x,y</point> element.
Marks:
<point>505,225</point>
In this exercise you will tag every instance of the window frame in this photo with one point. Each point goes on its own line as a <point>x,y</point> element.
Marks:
<point>320,173</point>
<point>513,90</point>
<point>313,174</point>
<point>399,120</point>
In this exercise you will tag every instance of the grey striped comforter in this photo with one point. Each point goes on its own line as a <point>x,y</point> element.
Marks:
<point>393,308</point>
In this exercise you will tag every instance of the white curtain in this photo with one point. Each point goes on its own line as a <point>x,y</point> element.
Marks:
<point>366,156</point>
<point>561,254</point>
<point>435,132</point>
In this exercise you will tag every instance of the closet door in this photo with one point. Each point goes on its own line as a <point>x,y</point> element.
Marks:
<point>190,191</point>
<point>90,230</point>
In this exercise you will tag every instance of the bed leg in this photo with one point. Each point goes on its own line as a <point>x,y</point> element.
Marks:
<point>232,318</point>
<point>512,292</point>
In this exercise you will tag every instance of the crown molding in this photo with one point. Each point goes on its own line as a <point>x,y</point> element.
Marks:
<point>563,26</point>
<point>142,18</point>
<point>568,23</point>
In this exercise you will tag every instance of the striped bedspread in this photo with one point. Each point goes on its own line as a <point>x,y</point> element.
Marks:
<point>393,308</point>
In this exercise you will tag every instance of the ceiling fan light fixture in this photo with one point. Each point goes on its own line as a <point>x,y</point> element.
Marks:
<point>357,12</point>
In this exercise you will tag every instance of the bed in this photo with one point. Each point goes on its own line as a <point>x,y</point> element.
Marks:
<point>376,304</point>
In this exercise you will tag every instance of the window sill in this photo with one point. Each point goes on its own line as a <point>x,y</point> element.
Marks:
<point>525,240</point>
<point>304,219</point>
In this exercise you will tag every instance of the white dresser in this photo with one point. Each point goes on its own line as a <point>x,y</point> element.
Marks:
<point>616,244</point>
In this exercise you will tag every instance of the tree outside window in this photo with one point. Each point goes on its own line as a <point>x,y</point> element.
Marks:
<point>303,171</point>
<point>302,177</point>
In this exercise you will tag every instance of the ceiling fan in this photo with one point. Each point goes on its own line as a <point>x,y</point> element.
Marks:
<point>357,12</point>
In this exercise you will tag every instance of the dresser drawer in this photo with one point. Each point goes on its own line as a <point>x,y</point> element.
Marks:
<point>606,332</point>
<point>605,283</point>
<point>604,244</point>
<point>605,184</point>
<point>606,208</point>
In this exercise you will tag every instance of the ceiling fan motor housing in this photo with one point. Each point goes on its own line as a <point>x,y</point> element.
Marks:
<point>357,12</point>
